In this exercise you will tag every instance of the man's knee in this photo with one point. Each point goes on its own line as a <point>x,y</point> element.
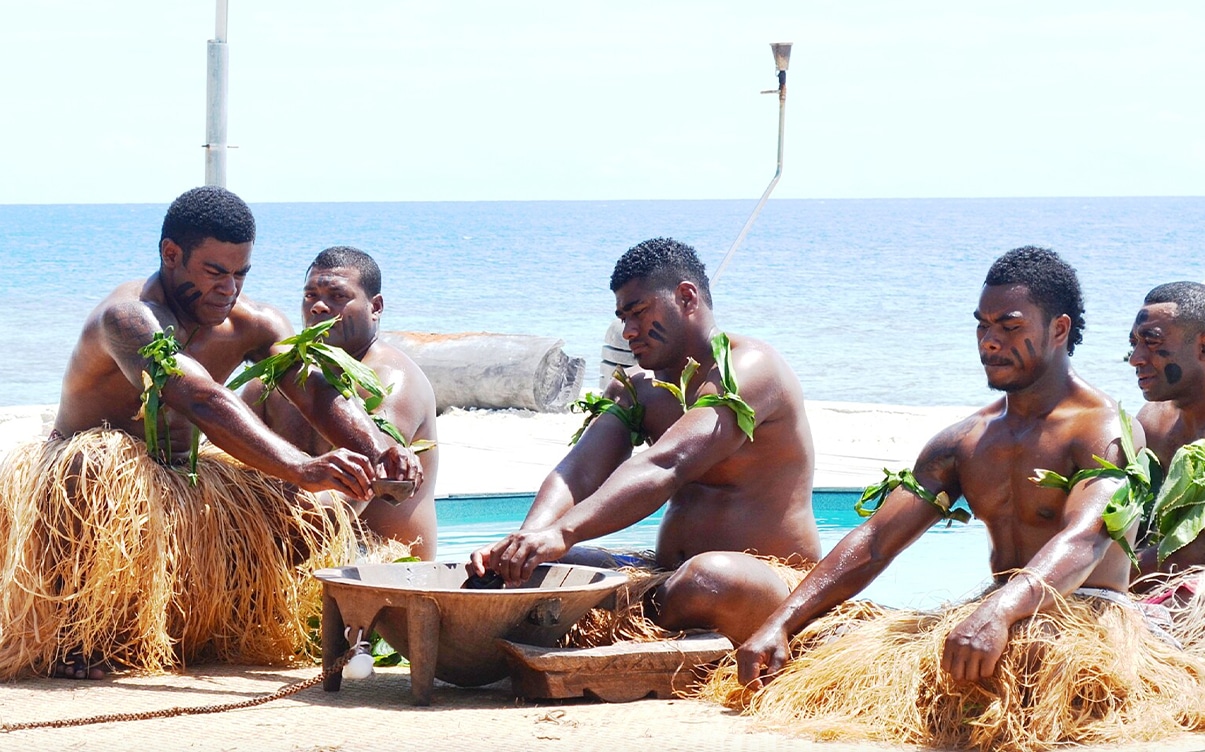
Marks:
<point>715,582</point>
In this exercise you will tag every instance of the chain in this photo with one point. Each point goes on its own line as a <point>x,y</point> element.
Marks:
<point>281,693</point>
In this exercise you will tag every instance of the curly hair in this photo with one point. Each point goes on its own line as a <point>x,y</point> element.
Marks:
<point>207,212</point>
<point>1052,284</point>
<point>346,257</point>
<point>665,263</point>
<point>1189,298</point>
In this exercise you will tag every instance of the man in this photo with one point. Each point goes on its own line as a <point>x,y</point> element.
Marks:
<point>125,559</point>
<point>346,282</point>
<point>730,495</point>
<point>1168,355</point>
<point>1029,322</point>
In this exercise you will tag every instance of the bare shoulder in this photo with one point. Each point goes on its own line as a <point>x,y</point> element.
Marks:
<point>259,321</point>
<point>762,369</point>
<point>960,438</point>
<point>1158,418</point>
<point>398,369</point>
<point>1091,422</point>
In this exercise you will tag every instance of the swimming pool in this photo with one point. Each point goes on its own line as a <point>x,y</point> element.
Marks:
<point>947,563</point>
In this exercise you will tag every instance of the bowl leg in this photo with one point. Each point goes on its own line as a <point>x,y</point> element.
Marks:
<point>334,644</point>
<point>422,624</point>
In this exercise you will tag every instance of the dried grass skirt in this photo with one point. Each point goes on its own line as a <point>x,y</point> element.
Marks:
<point>1086,671</point>
<point>107,554</point>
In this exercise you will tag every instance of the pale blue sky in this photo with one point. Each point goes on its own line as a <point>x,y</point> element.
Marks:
<point>392,100</point>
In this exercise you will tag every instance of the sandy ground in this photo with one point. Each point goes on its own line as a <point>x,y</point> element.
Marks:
<point>482,451</point>
<point>376,714</point>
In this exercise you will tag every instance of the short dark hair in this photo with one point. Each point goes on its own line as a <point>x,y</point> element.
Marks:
<point>665,263</point>
<point>1052,285</point>
<point>346,257</point>
<point>1189,298</point>
<point>207,212</point>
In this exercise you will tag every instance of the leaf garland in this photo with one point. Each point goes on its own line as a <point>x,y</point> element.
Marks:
<point>721,349</point>
<point>161,365</point>
<point>1141,476</point>
<point>877,494</point>
<point>1178,513</point>
<point>595,405</point>
<point>339,369</point>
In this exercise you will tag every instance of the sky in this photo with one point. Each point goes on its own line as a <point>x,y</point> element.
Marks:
<point>392,100</point>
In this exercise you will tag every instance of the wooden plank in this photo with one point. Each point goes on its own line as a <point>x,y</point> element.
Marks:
<point>621,672</point>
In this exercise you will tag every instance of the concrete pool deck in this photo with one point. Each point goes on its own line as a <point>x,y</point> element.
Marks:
<point>482,452</point>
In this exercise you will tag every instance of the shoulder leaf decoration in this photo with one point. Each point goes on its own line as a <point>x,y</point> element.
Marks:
<point>1142,477</point>
<point>877,494</point>
<point>721,349</point>
<point>160,354</point>
<point>339,369</point>
<point>1178,513</point>
<point>594,405</point>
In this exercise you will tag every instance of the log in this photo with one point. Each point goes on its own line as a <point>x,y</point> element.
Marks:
<point>494,371</point>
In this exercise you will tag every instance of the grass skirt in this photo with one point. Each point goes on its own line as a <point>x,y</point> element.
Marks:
<point>1086,671</point>
<point>628,621</point>
<point>107,554</point>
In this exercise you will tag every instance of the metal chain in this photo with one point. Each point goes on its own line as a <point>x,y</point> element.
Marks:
<point>281,693</point>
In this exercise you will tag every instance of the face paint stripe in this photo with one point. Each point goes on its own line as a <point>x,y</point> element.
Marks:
<point>655,332</point>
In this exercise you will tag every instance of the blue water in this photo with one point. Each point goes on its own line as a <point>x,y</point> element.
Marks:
<point>869,300</point>
<point>947,563</point>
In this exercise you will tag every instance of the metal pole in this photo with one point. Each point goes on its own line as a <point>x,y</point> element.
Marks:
<point>782,58</point>
<point>215,97</point>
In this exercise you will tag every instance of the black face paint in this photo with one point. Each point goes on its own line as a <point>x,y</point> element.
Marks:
<point>656,332</point>
<point>187,293</point>
<point>1029,346</point>
<point>1017,353</point>
<point>1164,353</point>
<point>1173,373</point>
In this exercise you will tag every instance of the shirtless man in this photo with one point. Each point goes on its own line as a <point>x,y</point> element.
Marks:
<point>1030,319</point>
<point>1168,356</point>
<point>204,256</point>
<point>346,282</point>
<point>727,494</point>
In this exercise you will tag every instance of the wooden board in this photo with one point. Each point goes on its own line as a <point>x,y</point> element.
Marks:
<point>621,672</point>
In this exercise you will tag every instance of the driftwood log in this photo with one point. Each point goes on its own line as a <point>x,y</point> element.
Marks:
<point>495,371</point>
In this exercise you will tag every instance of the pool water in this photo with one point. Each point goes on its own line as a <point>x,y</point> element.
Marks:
<point>945,564</point>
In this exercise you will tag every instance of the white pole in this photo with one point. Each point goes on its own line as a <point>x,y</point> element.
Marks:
<point>782,56</point>
<point>215,96</point>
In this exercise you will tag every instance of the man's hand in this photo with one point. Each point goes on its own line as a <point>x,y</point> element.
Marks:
<point>400,463</point>
<point>517,555</point>
<point>761,656</point>
<point>974,647</point>
<point>340,470</point>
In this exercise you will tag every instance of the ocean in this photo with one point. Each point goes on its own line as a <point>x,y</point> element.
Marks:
<point>868,300</point>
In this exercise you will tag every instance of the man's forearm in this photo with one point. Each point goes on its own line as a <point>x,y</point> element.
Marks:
<point>634,491</point>
<point>339,420</point>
